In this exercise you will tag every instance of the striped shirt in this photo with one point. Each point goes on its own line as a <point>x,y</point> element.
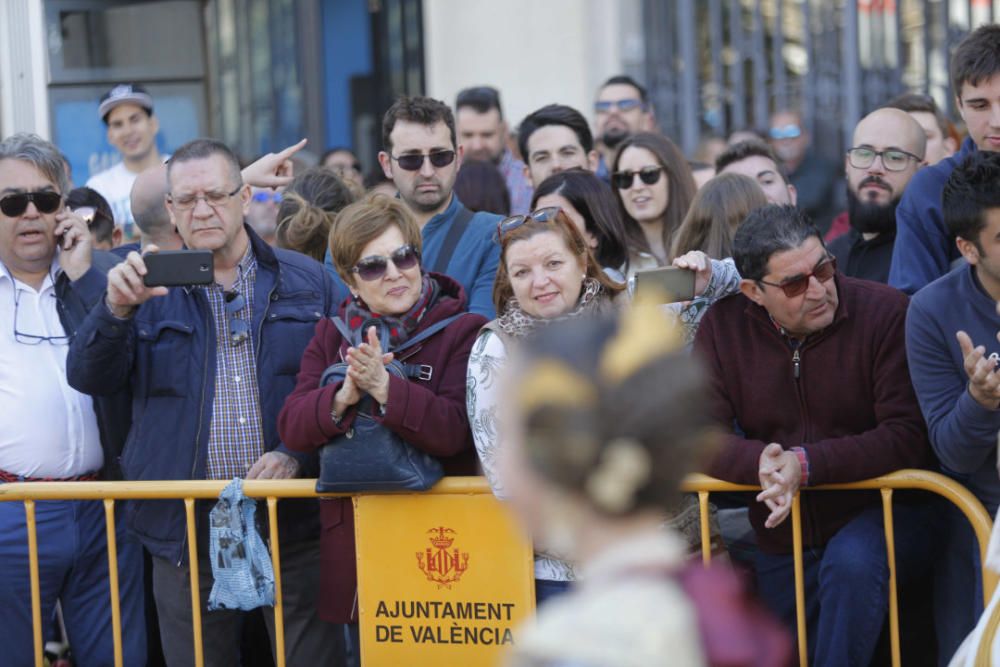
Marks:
<point>235,439</point>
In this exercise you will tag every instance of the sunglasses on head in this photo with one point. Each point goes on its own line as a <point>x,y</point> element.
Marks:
<point>623,179</point>
<point>239,330</point>
<point>374,267</point>
<point>45,201</point>
<point>796,286</point>
<point>507,225</point>
<point>414,161</point>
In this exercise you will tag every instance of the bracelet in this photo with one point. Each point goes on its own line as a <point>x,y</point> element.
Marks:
<point>803,458</point>
<point>337,419</point>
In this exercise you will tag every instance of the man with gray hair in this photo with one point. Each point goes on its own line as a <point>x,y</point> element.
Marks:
<point>49,280</point>
<point>208,369</point>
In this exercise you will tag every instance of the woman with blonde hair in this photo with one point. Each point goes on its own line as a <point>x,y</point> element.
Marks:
<point>717,210</point>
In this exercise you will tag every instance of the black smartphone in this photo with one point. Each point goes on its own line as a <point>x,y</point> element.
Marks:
<point>173,268</point>
<point>674,283</point>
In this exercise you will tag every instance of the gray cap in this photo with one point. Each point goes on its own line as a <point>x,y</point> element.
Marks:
<point>126,92</point>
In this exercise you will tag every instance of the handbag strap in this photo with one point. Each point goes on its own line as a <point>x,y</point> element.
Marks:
<point>458,226</point>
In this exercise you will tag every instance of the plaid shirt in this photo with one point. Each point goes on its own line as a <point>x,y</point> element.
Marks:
<point>518,184</point>
<point>235,440</point>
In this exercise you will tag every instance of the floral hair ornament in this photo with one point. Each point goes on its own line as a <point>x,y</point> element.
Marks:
<point>645,334</point>
<point>623,469</point>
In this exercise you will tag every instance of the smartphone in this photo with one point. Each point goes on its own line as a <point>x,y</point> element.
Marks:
<point>173,268</point>
<point>670,282</point>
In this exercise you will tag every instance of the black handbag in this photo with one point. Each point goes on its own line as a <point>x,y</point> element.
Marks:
<point>370,456</point>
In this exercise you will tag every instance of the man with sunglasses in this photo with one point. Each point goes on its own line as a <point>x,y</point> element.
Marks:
<point>808,371</point>
<point>208,369</point>
<point>422,158</point>
<point>888,149</point>
<point>49,279</point>
<point>621,109</point>
<point>813,176</point>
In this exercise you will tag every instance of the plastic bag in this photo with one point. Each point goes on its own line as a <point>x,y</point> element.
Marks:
<point>241,565</point>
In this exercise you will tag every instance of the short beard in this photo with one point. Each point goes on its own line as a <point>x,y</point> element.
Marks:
<point>614,136</point>
<point>870,218</point>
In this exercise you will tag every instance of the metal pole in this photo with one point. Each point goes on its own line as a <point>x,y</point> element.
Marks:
<point>689,101</point>
<point>715,46</point>
<point>736,70</point>
<point>808,81</point>
<point>778,79</point>
<point>760,100</point>
<point>851,73</point>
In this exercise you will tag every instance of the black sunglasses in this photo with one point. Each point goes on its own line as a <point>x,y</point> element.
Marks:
<point>374,267</point>
<point>507,225</point>
<point>239,330</point>
<point>623,179</point>
<point>45,201</point>
<point>414,161</point>
<point>796,286</point>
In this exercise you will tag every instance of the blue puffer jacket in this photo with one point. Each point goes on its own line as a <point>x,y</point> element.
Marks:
<point>166,356</point>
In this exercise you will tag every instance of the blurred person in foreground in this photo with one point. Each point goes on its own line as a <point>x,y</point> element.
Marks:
<point>482,132</point>
<point>604,418</point>
<point>375,245</point>
<point>799,334</point>
<point>888,149</point>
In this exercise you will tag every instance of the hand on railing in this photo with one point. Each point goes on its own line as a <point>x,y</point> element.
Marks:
<point>780,474</point>
<point>274,465</point>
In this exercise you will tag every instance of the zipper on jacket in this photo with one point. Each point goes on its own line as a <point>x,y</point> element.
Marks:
<point>796,364</point>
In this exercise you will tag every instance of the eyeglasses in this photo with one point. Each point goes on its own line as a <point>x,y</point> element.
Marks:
<point>46,201</point>
<point>212,198</point>
<point>623,179</point>
<point>796,286</point>
<point>239,330</point>
<point>33,339</point>
<point>791,131</point>
<point>630,104</point>
<point>414,161</point>
<point>507,225</point>
<point>893,159</point>
<point>263,196</point>
<point>374,267</point>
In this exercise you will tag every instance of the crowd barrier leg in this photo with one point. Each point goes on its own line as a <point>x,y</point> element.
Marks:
<point>36,595</point>
<point>800,581</point>
<point>116,612</point>
<point>890,547</point>
<point>279,612</point>
<point>199,656</point>
<point>706,533</point>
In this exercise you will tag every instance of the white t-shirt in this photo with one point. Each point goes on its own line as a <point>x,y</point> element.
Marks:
<point>47,428</point>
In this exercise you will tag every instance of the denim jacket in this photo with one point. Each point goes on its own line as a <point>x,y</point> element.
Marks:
<point>165,356</point>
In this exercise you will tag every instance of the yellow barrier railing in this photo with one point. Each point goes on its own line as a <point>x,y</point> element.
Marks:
<point>273,490</point>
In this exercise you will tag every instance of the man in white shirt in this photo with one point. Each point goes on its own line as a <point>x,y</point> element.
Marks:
<point>127,111</point>
<point>49,279</point>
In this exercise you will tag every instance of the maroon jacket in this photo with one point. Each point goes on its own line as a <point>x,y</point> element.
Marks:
<point>429,415</point>
<point>852,408</point>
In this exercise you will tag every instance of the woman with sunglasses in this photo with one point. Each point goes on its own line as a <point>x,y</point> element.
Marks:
<point>547,274</point>
<point>375,244</point>
<point>655,187</point>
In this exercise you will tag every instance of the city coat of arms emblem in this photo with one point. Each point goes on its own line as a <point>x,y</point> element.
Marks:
<point>440,565</point>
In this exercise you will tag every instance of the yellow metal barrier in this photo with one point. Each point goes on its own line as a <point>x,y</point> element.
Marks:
<point>273,490</point>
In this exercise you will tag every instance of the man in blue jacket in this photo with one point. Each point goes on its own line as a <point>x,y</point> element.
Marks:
<point>49,279</point>
<point>209,369</point>
<point>422,157</point>
<point>924,249</point>
<point>952,350</point>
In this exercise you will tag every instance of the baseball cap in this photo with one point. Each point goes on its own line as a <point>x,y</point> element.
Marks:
<point>122,93</point>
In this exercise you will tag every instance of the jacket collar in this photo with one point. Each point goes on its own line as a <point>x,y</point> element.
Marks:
<point>447,214</point>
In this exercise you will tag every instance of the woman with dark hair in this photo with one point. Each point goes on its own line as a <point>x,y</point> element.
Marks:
<point>717,210</point>
<point>591,205</point>
<point>481,187</point>
<point>655,187</point>
<point>547,274</point>
<point>308,207</point>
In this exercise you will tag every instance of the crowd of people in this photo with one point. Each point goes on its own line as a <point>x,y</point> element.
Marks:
<point>843,326</point>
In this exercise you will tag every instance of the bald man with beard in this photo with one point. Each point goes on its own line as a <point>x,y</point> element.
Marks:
<point>888,149</point>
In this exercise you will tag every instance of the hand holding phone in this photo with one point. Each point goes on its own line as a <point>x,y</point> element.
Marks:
<point>175,268</point>
<point>126,285</point>
<point>74,242</point>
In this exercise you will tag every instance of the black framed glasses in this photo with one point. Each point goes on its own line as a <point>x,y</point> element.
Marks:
<point>374,267</point>
<point>46,201</point>
<point>893,159</point>
<point>630,104</point>
<point>507,225</point>
<point>623,179</point>
<point>796,286</point>
<point>239,329</point>
<point>414,161</point>
<point>33,339</point>
<point>212,198</point>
